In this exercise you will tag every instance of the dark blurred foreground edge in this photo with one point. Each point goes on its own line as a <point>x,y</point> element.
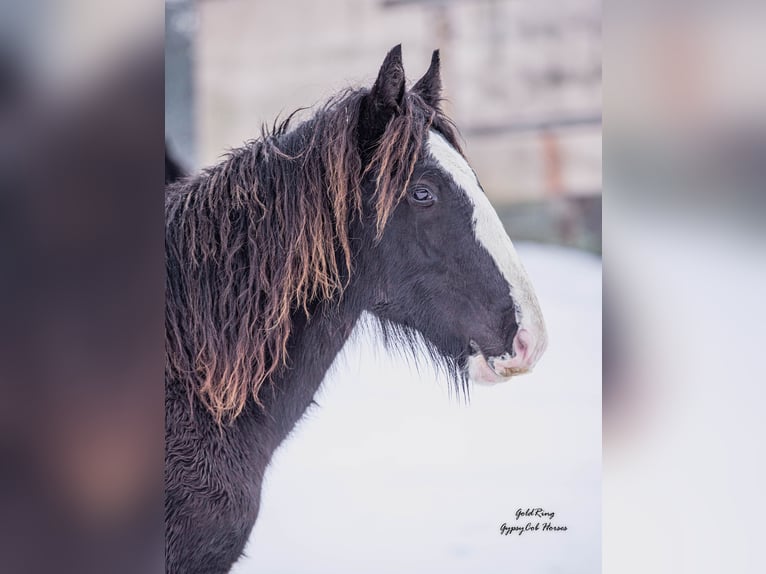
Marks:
<point>81,307</point>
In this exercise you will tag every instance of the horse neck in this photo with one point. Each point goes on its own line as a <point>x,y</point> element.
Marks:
<point>313,346</point>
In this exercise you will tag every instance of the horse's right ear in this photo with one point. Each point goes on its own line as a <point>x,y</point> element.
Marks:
<point>384,100</point>
<point>429,87</point>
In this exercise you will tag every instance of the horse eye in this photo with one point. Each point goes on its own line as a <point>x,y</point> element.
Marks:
<point>422,195</point>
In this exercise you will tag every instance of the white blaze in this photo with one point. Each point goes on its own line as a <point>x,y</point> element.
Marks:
<point>491,234</point>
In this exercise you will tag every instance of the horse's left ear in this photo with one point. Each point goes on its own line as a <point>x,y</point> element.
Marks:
<point>429,87</point>
<point>388,91</point>
<point>383,101</point>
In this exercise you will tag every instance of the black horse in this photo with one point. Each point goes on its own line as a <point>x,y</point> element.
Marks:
<point>273,255</point>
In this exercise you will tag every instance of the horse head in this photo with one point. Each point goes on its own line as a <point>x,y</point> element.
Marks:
<point>443,265</point>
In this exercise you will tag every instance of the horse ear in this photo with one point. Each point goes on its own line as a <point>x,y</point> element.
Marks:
<point>429,87</point>
<point>388,91</point>
<point>384,100</point>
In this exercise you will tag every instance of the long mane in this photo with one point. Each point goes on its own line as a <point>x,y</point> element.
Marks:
<point>265,234</point>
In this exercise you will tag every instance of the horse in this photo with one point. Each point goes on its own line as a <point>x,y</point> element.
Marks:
<point>369,207</point>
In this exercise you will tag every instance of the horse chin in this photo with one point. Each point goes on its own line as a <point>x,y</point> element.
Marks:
<point>481,372</point>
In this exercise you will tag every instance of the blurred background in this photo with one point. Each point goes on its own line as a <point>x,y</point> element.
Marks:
<point>389,473</point>
<point>81,286</point>
<point>685,261</point>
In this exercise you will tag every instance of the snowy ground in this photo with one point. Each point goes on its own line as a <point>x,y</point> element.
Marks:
<point>391,475</point>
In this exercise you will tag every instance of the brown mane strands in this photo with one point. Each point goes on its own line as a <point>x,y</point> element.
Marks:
<point>265,233</point>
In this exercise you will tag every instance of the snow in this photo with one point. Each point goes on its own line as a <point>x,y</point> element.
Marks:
<point>391,474</point>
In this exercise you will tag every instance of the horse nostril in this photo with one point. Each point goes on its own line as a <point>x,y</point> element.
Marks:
<point>511,330</point>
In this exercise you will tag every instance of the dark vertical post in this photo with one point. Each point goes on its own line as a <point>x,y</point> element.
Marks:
<point>180,34</point>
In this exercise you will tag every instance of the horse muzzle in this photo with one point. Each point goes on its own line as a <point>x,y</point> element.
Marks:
<point>527,349</point>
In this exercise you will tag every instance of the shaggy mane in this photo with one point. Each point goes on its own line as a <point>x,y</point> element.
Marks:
<point>265,234</point>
